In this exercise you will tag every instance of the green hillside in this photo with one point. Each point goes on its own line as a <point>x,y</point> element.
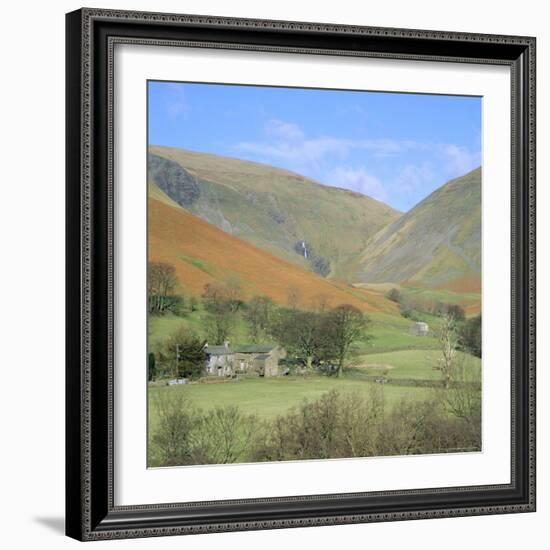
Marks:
<point>437,243</point>
<point>318,227</point>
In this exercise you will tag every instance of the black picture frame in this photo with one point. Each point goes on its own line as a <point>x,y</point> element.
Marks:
<point>90,510</point>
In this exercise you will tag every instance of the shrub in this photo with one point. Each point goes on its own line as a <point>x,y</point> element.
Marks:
<point>394,295</point>
<point>173,439</point>
<point>151,367</point>
<point>456,312</point>
<point>337,425</point>
<point>187,435</point>
<point>408,312</point>
<point>470,335</point>
<point>225,435</point>
<point>186,350</point>
<point>354,425</point>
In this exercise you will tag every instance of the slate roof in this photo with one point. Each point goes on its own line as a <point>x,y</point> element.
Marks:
<point>218,350</point>
<point>255,348</point>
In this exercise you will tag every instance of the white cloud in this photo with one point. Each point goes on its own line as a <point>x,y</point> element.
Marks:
<point>286,141</point>
<point>288,144</point>
<point>388,147</point>
<point>279,129</point>
<point>460,160</point>
<point>358,180</point>
<point>418,165</point>
<point>413,177</point>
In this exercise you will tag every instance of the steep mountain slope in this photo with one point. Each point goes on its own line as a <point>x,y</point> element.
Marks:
<point>202,253</point>
<point>437,243</point>
<point>318,227</point>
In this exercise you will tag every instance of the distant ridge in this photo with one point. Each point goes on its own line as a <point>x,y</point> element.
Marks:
<point>333,232</point>
<point>436,244</point>
<point>318,227</point>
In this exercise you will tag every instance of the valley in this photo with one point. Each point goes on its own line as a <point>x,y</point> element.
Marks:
<point>248,247</point>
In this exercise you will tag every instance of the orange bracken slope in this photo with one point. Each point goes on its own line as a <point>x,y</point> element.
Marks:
<point>202,253</point>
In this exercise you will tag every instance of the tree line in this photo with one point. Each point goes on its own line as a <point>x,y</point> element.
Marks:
<point>318,337</point>
<point>310,338</point>
<point>162,290</point>
<point>337,425</point>
<point>323,335</point>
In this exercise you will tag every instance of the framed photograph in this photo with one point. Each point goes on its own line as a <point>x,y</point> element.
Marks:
<point>300,274</point>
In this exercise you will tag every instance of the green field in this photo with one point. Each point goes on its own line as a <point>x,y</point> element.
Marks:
<point>271,397</point>
<point>415,364</point>
<point>391,332</point>
<point>386,349</point>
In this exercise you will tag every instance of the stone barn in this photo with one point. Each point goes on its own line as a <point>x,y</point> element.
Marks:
<point>419,328</point>
<point>260,359</point>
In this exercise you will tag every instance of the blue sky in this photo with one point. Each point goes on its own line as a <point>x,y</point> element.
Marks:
<point>396,148</point>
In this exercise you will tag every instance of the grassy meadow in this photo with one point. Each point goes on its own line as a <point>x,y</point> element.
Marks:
<point>419,364</point>
<point>271,397</point>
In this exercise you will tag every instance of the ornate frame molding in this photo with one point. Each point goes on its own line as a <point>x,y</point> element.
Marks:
<point>91,37</point>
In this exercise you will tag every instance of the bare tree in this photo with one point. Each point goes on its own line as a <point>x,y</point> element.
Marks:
<point>463,399</point>
<point>223,295</point>
<point>226,434</point>
<point>234,292</point>
<point>220,326</point>
<point>321,303</point>
<point>221,301</point>
<point>172,440</point>
<point>258,314</point>
<point>214,298</point>
<point>161,283</point>
<point>449,343</point>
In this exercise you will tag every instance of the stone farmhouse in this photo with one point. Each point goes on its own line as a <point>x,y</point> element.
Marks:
<point>259,359</point>
<point>219,360</point>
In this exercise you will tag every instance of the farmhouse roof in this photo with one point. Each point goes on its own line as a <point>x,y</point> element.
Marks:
<point>218,350</point>
<point>255,348</point>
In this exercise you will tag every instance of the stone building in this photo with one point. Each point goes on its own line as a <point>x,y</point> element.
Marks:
<point>219,360</point>
<point>419,328</point>
<point>261,359</point>
<point>250,359</point>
